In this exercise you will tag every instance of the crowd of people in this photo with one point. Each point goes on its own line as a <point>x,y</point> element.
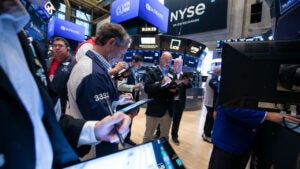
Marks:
<point>72,115</point>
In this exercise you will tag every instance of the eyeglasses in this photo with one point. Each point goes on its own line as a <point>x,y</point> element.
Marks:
<point>58,45</point>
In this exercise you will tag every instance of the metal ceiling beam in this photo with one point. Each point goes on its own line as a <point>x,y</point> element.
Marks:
<point>89,5</point>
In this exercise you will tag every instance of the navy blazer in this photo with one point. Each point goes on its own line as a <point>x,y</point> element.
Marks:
<point>16,130</point>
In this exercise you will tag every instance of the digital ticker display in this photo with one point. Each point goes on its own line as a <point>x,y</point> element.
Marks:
<point>190,61</point>
<point>151,56</point>
<point>130,53</point>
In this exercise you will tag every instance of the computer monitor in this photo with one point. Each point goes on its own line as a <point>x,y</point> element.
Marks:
<point>260,75</point>
<point>156,154</point>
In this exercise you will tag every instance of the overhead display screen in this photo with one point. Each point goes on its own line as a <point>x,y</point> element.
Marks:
<point>130,53</point>
<point>171,43</point>
<point>151,11</point>
<point>190,61</point>
<point>195,48</point>
<point>66,29</point>
<point>151,56</point>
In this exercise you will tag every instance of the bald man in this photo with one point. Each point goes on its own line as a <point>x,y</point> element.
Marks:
<point>157,87</point>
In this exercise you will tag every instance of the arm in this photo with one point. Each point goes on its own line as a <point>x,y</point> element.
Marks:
<point>213,83</point>
<point>72,128</point>
<point>186,84</point>
<point>119,66</point>
<point>123,86</point>
<point>155,83</point>
<point>278,117</point>
<point>152,83</point>
<point>80,133</point>
<point>245,117</point>
<point>91,94</point>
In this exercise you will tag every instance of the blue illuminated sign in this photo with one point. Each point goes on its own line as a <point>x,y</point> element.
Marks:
<point>155,13</point>
<point>151,11</point>
<point>65,29</point>
<point>122,10</point>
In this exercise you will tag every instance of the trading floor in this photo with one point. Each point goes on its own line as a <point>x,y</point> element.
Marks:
<point>193,151</point>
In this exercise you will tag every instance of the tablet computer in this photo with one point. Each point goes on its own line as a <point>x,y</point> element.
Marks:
<point>134,105</point>
<point>156,154</point>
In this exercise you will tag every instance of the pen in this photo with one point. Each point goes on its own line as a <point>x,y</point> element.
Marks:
<point>115,126</point>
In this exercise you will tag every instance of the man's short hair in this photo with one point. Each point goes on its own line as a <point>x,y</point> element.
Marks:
<point>62,39</point>
<point>137,58</point>
<point>111,30</point>
<point>178,61</point>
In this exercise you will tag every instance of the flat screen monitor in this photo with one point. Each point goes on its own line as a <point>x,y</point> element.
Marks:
<point>190,61</point>
<point>260,75</point>
<point>151,56</point>
<point>195,48</point>
<point>156,154</point>
<point>171,43</point>
<point>177,55</point>
<point>148,40</point>
<point>130,53</point>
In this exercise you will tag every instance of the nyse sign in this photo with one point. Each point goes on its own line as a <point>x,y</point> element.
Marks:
<point>194,16</point>
<point>189,12</point>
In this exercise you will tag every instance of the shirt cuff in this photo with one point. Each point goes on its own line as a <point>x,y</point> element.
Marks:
<point>87,135</point>
<point>264,117</point>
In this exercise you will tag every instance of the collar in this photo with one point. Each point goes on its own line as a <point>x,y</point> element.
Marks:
<point>104,62</point>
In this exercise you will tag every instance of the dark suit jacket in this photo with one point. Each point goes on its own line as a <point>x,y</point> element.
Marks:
<point>161,95</point>
<point>16,130</point>
<point>182,92</point>
<point>58,86</point>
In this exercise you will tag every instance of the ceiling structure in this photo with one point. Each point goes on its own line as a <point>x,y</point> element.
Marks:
<point>98,9</point>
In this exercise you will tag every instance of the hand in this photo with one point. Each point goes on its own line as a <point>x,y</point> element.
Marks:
<point>185,81</point>
<point>172,90</point>
<point>104,129</point>
<point>119,66</point>
<point>133,113</point>
<point>277,117</point>
<point>166,80</point>
<point>125,99</point>
<point>138,86</point>
<point>214,114</point>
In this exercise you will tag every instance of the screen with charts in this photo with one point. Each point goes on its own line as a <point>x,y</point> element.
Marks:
<point>157,154</point>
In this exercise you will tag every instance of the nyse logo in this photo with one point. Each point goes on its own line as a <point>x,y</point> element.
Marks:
<point>188,12</point>
<point>49,8</point>
<point>123,8</point>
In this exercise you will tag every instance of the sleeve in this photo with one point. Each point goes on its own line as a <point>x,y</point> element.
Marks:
<point>213,83</point>
<point>246,117</point>
<point>123,86</point>
<point>87,134</point>
<point>152,83</point>
<point>91,96</point>
<point>82,50</point>
<point>72,128</point>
